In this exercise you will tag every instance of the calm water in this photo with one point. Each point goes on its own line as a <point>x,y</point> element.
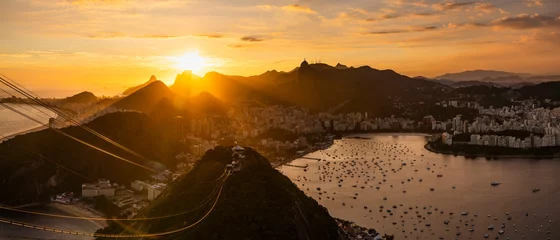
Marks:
<point>12,123</point>
<point>353,161</point>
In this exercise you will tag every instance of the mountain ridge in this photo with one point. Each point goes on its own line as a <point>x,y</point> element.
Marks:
<point>131,90</point>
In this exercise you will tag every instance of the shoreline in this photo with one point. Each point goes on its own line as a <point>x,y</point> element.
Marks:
<point>355,135</point>
<point>482,155</point>
<point>36,129</point>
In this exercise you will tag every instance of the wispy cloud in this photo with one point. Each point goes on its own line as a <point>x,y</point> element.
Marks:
<point>289,8</point>
<point>534,3</point>
<point>105,35</point>
<point>252,39</point>
<point>237,45</point>
<point>411,29</point>
<point>526,21</point>
<point>101,35</point>
<point>486,7</point>
<point>298,8</point>
<point>210,35</point>
<point>451,5</point>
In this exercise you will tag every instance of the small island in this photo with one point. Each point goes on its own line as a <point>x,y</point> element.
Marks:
<point>504,144</point>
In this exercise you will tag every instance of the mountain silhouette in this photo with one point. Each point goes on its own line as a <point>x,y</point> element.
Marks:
<point>257,202</point>
<point>184,84</point>
<point>80,98</point>
<point>340,66</point>
<point>145,99</point>
<point>136,88</point>
<point>205,104</point>
<point>321,87</point>
<point>318,87</point>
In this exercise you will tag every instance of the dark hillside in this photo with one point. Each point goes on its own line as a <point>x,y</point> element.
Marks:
<point>257,202</point>
<point>26,177</point>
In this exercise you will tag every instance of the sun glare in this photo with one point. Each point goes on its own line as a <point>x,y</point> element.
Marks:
<point>191,61</point>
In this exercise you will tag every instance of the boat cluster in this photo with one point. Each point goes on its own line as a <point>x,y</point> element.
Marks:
<point>347,173</point>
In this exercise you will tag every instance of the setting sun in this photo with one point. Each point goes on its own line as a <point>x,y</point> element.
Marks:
<point>190,61</point>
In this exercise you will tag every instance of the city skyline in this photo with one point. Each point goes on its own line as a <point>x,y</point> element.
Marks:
<point>107,46</point>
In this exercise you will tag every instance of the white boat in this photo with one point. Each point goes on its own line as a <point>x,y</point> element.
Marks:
<point>491,227</point>
<point>494,183</point>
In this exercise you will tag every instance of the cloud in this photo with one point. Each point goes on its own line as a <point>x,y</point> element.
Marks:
<point>389,16</point>
<point>252,39</point>
<point>417,3</point>
<point>411,29</point>
<point>210,35</point>
<point>289,8</point>
<point>534,3</point>
<point>106,35</point>
<point>395,16</point>
<point>101,35</point>
<point>424,14</point>
<point>451,5</point>
<point>77,2</point>
<point>466,25</point>
<point>525,21</point>
<point>485,7</point>
<point>298,8</point>
<point>159,36</point>
<point>237,45</point>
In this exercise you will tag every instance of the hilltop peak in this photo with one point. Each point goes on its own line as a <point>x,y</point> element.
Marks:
<point>182,84</point>
<point>341,66</point>
<point>131,90</point>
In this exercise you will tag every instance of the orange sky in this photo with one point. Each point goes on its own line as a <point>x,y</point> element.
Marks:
<point>61,47</point>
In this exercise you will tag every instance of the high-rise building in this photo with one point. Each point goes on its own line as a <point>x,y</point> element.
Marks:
<point>428,122</point>
<point>457,126</point>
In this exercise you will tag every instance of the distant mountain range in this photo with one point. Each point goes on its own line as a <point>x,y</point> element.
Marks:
<point>473,75</point>
<point>492,78</point>
<point>318,87</point>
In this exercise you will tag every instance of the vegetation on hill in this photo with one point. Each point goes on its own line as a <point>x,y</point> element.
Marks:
<point>27,177</point>
<point>547,90</point>
<point>257,202</point>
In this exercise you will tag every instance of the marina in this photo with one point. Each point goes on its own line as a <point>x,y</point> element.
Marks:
<point>392,184</point>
